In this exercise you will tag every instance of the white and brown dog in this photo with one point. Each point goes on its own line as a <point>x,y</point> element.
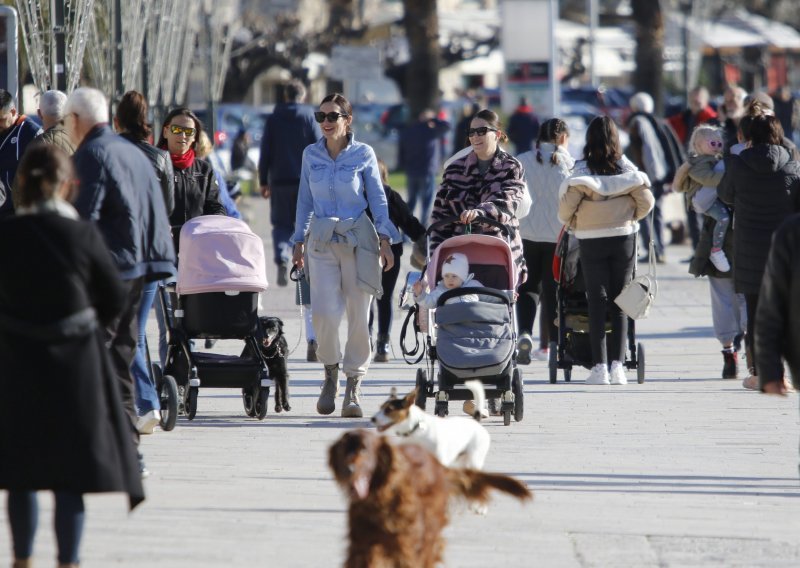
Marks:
<point>456,442</point>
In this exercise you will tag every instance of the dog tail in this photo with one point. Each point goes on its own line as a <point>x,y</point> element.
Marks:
<point>474,485</point>
<point>479,395</point>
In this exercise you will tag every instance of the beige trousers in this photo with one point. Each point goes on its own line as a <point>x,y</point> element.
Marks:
<point>334,292</point>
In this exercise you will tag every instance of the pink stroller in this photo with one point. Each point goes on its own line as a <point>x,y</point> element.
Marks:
<point>221,271</point>
<point>473,340</point>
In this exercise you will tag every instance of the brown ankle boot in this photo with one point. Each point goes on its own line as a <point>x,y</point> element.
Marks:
<point>25,563</point>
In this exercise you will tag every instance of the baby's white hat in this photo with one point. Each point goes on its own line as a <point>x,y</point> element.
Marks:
<point>456,263</point>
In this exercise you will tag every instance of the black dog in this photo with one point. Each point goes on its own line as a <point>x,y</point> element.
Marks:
<point>275,349</point>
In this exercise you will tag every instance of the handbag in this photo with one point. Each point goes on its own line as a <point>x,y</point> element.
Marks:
<point>638,295</point>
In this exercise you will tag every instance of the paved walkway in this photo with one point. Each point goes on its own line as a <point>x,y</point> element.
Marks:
<point>684,470</point>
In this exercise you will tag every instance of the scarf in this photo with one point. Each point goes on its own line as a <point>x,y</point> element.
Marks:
<point>182,161</point>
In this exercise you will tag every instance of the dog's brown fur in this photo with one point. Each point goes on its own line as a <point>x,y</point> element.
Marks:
<point>399,499</point>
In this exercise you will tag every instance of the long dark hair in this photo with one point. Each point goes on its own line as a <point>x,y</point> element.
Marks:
<point>766,129</point>
<point>181,111</point>
<point>602,151</point>
<point>44,167</point>
<point>132,115</point>
<point>550,132</point>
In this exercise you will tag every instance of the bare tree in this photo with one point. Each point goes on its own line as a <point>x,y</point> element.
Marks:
<point>421,24</point>
<point>649,76</point>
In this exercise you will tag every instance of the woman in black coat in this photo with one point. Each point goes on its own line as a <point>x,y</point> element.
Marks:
<point>762,185</point>
<point>59,290</point>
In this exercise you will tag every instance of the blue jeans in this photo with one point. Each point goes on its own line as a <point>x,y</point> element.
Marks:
<point>283,208</point>
<point>145,390</point>
<point>422,188</point>
<point>23,516</point>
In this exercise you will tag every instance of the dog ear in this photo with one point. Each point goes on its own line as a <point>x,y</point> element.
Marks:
<point>411,398</point>
<point>280,324</point>
<point>384,461</point>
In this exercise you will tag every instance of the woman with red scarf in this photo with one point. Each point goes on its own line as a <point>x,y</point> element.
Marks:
<point>196,189</point>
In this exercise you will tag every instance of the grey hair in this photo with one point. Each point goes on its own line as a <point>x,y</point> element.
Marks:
<point>89,104</point>
<point>52,103</point>
<point>642,102</point>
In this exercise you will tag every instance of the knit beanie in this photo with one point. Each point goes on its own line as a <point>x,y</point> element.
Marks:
<point>456,263</point>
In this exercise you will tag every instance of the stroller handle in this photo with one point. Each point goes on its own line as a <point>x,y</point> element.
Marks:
<point>457,220</point>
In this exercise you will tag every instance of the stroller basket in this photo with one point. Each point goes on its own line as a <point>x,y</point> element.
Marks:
<point>220,314</point>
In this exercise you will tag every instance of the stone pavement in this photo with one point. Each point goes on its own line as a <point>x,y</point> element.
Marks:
<point>684,470</point>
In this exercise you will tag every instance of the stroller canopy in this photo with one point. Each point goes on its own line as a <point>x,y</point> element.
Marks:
<point>490,259</point>
<point>219,254</point>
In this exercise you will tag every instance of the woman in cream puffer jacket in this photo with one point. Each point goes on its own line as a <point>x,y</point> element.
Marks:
<point>601,204</point>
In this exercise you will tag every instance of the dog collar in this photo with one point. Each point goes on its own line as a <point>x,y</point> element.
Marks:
<point>414,429</point>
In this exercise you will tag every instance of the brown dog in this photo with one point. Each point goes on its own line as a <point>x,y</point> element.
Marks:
<point>399,499</point>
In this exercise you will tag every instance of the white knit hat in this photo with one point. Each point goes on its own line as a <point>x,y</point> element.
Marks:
<point>456,263</point>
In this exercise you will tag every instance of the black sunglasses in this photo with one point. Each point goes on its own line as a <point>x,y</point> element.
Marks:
<point>480,131</point>
<point>320,116</point>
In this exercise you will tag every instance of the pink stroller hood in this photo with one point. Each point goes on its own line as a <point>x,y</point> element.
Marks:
<point>219,254</point>
<point>480,250</point>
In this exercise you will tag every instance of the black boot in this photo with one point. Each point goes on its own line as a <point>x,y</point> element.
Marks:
<point>382,349</point>
<point>730,370</point>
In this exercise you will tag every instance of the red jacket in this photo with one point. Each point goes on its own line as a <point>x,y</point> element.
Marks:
<point>684,122</point>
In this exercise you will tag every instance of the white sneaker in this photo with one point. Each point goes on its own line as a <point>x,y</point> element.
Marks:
<point>617,373</point>
<point>599,375</point>
<point>147,423</point>
<point>542,354</point>
<point>469,408</point>
<point>719,260</point>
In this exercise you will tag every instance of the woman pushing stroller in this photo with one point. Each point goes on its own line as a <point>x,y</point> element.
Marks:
<point>601,204</point>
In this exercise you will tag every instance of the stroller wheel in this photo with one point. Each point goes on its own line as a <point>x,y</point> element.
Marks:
<point>248,400</point>
<point>191,402</point>
<point>553,362</point>
<point>262,401</point>
<point>422,388</point>
<point>640,363</point>
<point>441,409</point>
<point>168,397</point>
<point>506,418</point>
<point>568,374</point>
<point>519,395</point>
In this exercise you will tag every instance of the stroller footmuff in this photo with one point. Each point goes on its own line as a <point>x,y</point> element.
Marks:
<point>221,272</point>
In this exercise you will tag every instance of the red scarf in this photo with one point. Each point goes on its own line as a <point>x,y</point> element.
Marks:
<point>182,161</point>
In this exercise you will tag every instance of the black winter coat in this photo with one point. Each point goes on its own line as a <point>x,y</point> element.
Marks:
<point>162,164</point>
<point>196,193</point>
<point>62,422</point>
<point>762,185</point>
<point>119,192</point>
<point>777,323</point>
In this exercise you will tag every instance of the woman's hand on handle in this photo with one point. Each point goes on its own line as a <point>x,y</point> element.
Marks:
<point>386,254</point>
<point>470,215</point>
<point>297,256</point>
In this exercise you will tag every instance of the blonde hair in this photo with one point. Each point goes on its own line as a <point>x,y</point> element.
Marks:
<point>203,146</point>
<point>703,133</point>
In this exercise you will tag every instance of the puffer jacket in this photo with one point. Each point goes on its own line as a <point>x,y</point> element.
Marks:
<point>762,184</point>
<point>541,224</point>
<point>777,325</point>
<point>697,172</point>
<point>597,206</point>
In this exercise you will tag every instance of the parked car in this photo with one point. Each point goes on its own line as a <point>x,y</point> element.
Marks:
<point>231,118</point>
<point>612,102</point>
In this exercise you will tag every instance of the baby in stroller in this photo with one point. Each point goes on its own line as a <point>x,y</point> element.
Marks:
<point>455,274</point>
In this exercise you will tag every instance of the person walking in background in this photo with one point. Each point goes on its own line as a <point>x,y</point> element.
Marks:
<point>601,204</point>
<point>523,127</point>
<point>762,185</point>
<point>16,132</point>
<point>421,158</point>
<point>403,219</point>
<point>787,109</point>
<point>545,167</point>
<point>287,132</point>
<point>63,289</point>
<point>339,180</point>
<point>460,137</point>
<point>777,327</point>
<point>731,112</point>
<point>651,153</point>
<point>131,124</point>
<point>120,193</point>
<point>51,112</point>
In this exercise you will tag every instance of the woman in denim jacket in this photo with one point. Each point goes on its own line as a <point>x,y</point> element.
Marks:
<point>339,179</point>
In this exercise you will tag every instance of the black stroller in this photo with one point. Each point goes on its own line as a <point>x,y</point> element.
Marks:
<point>573,347</point>
<point>220,275</point>
<point>473,340</point>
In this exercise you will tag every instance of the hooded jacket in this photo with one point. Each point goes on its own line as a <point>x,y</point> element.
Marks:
<point>762,184</point>
<point>597,206</point>
<point>287,131</point>
<point>541,224</point>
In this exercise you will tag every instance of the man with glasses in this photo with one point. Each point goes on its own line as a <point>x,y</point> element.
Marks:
<point>16,132</point>
<point>119,192</point>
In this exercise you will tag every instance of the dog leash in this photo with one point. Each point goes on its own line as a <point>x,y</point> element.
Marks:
<point>296,275</point>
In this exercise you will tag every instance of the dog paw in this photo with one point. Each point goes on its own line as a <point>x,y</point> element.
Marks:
<point>479,508</point>
<point>278,408</point>
<point>286,407</point>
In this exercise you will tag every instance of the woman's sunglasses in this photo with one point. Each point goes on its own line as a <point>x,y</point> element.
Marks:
<point>331,116</point>
<point>177,130</point>
<point>480,131</point>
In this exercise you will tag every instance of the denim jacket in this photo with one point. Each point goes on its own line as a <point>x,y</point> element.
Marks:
<point>342,188</point>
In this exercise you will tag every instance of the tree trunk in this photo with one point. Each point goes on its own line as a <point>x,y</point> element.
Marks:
<point>421,23</point>
<point>649,76</point>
